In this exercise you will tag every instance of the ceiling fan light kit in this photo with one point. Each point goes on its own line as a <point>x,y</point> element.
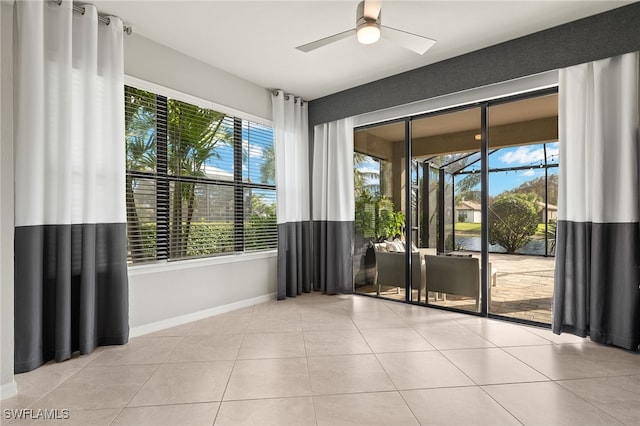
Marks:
<point>368,31</point>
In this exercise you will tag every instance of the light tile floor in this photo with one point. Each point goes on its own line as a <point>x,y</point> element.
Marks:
<point>340,360</point>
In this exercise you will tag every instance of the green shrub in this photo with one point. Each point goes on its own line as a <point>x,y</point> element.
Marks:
<point>261,233</point>
<point>375,217</point>
<point>144,248</point>
<point>208,238</point>
<point>512,221</point>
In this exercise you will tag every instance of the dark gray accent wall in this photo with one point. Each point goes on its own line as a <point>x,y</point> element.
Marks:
<point>596,37</point>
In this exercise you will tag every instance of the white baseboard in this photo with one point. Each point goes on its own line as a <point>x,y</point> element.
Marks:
<point>8,390</point>
<point>194,316</point>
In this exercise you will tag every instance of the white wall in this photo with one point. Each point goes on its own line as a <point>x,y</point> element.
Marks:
<point>7,384</point>
<point>162,296</point>
<point>175,292</point>
<point>155,63</point>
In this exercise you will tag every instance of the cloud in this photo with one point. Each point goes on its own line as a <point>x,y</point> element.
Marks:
<point>528,173</point>
<point>552,151</point>
<point>523,155</point>
<point>254,151</point>
<point>213,172</point>
<point>529,155</point>
<point>368,170</point>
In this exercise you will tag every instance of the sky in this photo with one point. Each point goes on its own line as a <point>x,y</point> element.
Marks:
<point>528,155</point>
<point>520,156</point>
<point>255,140</point>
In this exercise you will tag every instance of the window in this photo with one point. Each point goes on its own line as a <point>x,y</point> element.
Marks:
<point>199,182</point>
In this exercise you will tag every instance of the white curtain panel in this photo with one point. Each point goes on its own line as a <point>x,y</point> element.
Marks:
<point>598,236</point>
<point>291,147</point>
<point>333,206</point>
<point>70,248</point>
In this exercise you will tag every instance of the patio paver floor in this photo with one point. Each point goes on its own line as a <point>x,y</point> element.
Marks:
<point>524,288</point>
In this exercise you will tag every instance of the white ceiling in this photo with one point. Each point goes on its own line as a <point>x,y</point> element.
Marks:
<point>256,40</point>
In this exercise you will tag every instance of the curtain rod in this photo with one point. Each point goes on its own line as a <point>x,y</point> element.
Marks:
<point>78,8</point>
<point>276,92</point>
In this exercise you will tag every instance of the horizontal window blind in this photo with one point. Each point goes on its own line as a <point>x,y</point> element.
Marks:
<point>258,159</point>
<point>200,142</point>
<point>141,218</point>
<point>199,182</point>
<point>141,124</point>
<point>260,229</point>
<point>201,220</point>
<point>141,121</point>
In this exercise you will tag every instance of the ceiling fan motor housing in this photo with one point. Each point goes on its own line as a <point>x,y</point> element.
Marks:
<point>361,19</point>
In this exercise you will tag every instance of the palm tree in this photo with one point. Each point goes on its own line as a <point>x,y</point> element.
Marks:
<point>194,134</point>
<point>268,166</point>
<point>361,177</point>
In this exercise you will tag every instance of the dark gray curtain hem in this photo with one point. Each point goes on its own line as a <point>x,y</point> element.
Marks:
<point>331,265</point>
<point>70,291</point>
<point>596,282</point>
<point>294,259</point>
<point>104,341</point>
<point>615,340</point>
<point>580,332</point>
<point>333,256</point>
<point>600,337</point>
<point>59,356</point>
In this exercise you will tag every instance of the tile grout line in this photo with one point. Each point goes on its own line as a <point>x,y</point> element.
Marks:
<point>233,367</point>
<point>589,402</point>
<point>306,358</point>
<point>482,388</point>
<point>157,366</point>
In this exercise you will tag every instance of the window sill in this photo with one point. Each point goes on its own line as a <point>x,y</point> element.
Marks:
<point>178,265</point>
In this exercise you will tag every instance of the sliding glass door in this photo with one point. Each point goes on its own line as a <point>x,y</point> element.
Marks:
<point>457,209</point>
<point>378,261</point>
<point>523,195</point>
<point>445,191</point>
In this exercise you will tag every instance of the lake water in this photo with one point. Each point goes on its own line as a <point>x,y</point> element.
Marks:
<point>473,243</point>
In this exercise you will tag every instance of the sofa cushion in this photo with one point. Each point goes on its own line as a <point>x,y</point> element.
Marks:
<point>380,247</point>
<point>395,247</point>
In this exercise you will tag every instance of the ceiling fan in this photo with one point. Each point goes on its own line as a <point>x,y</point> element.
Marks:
<point>369,28</point>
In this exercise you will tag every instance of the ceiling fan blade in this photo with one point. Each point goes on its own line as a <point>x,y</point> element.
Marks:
<point>324,41</point>
<point>372,8</point>
<point>414,42</point>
